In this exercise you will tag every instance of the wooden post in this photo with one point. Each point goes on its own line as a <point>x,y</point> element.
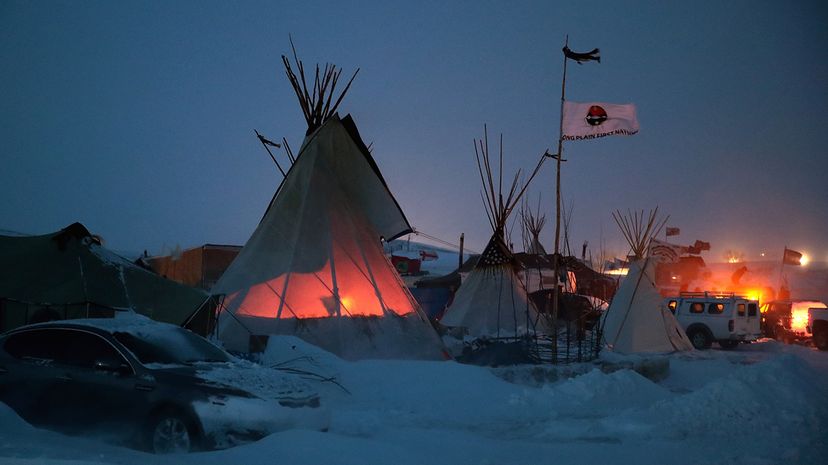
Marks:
<point>462,238</point>
<point>555,257</point>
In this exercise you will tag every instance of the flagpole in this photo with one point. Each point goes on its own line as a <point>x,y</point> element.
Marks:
<point>555,257</point>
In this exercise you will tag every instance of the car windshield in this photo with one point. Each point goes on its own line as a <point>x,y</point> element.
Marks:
<point>171,346</point>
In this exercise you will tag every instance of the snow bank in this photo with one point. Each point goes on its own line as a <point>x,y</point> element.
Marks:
<point>758,404</point>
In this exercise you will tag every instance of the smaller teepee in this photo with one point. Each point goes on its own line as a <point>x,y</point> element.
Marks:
<point>492,301</point>
<point>637,320</point>
<point>532,225</point>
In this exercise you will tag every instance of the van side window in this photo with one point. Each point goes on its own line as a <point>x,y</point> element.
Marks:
<point>715,308</point>
<point>751,309</point>
<point>696,307</point>
<point>672,306</point>
<point>740,309</point>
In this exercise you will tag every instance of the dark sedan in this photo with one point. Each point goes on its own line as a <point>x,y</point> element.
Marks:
<point>150,383</point>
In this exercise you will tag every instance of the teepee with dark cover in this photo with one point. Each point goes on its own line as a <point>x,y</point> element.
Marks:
<point>314,267</point>
<point>492,301</point>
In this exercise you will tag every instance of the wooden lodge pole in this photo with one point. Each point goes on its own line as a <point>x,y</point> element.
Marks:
<point>555,257</point>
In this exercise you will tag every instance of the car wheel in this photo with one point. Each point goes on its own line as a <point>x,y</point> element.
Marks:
<point>821,338</point>
<point>170,432</point>
<point>699,338</point>
<point>728,344</point>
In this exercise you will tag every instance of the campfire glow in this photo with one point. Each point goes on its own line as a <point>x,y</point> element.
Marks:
<point>799,314</point>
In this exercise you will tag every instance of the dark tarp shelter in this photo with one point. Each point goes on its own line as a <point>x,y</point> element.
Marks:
<point>68,274</point>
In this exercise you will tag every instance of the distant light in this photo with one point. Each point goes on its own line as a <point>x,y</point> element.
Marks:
<point>804,260</point>
<point>762,254</point>
<point>618,272</point>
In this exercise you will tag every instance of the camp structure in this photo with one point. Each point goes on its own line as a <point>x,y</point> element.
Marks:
<point>199,267</point>
<point>492,303</point>
<point>314,267</point>
<point>533,223</point>
<point>69,274</point>
<point>637,320</point>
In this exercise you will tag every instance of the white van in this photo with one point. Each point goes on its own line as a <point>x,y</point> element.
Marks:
<point>724,318</point>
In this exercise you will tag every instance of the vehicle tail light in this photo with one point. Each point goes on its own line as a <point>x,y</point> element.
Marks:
<point>730,325</point>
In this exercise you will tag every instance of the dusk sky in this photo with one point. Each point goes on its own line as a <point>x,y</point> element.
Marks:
<point>137,118</point>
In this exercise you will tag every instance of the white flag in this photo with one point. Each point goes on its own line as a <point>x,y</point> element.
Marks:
<point>583,121</point>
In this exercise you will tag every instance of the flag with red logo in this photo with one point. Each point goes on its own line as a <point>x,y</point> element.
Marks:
<point>584,121</point>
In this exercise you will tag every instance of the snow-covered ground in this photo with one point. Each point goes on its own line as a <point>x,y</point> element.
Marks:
<point>765,403</point>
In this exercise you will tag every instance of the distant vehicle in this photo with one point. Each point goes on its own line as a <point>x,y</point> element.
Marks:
<point>786,320</point>
<point>152,384</point>
<point>818,326</point>
<point>710,317</point>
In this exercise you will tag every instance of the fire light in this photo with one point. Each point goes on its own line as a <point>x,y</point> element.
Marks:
<point>754,294</point>
<point>733,260</point>
<point>799,314</point>
<point>804,260</point>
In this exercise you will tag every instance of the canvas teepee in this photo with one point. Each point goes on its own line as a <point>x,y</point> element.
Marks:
<point>492,301</point>
<point>314,267</point>
<point>637,320</point>
<point>533,224</point>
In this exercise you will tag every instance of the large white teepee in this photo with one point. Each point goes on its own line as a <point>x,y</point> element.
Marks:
<point>492,301</point>
<point>314,267</point>
<point>637,320</point>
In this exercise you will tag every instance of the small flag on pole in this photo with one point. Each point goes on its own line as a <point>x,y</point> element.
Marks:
<point>593,55</point>
<point>673,231</point>
<point>268,142</point>
<point>791,257</point>
<point>584,121</point>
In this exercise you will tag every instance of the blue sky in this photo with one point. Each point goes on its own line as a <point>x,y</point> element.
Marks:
<point>137,118</point>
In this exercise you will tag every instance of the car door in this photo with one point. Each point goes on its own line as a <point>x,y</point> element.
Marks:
<point>753,320</point>
<point>29,377</point>
<point>100,385</point>
<point>739,317</point>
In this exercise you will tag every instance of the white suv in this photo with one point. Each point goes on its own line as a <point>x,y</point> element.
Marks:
<point>725,318</point>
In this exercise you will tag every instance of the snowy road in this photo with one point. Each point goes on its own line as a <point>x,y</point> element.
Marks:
<point>765,403</point>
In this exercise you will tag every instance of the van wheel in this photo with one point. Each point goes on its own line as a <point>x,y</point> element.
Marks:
<point>728,344</point>
<point>700,339</point>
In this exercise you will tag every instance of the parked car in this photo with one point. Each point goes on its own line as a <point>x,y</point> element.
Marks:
<point>157,386</point>
<point>710,317</point>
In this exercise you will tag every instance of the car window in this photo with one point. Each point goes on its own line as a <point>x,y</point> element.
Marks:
<point>63,346</point>
<point>84,349</point>
<point>751,309</point>
<point>740,309</point>
<point>715,308</point>
<point>171,346</point>
<point>34,344</point>
<point>696,307</point>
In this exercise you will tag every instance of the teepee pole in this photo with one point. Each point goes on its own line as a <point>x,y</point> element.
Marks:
<point>555,257</point>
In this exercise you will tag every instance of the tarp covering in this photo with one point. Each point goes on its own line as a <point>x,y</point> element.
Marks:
<point>70,267</point>
<point>637,321</point>
<point>314,267</point>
